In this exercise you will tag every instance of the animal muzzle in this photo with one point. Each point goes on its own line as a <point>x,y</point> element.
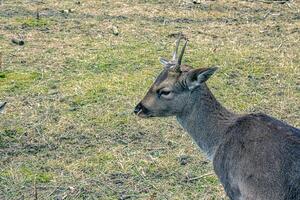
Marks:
<point>140,110</point>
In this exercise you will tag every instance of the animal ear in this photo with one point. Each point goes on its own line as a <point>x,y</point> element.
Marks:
<point>163,61</point>
<point>197,76</point>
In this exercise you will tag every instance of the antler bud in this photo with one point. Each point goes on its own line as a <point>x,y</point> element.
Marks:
<point>177,66</point>
<point>176,61</point>
<point>176,48</point>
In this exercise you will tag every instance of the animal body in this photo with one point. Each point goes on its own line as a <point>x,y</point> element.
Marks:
<point>255,156</point>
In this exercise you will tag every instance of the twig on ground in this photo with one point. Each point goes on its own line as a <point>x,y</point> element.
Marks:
<point>37,14</point>
<point>54,191</point>
<point>156,149</point>
<point>267,14</point>
<point>35,193</point>
<point>199,177</point>
<point>208,34</point>
<point>274,1</point>
<point>2,105</point>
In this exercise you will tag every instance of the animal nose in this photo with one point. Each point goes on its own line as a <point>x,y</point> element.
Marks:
<point>138,108</point>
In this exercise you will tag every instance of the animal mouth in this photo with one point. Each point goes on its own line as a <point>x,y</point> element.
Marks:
<point>141,114</point>
<point>141,111</point>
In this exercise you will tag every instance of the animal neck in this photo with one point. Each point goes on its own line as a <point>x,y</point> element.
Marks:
<point>205,119</point>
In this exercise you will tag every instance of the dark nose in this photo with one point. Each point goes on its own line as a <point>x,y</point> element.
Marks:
<point>138,108</point>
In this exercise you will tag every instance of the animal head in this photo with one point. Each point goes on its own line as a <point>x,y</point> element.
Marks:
<point>172,89</point>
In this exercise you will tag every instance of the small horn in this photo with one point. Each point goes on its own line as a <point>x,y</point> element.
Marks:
<point>181,53</point>
<point>176,48</point>
<point>178,63</point>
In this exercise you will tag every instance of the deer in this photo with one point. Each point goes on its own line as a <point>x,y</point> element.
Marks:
<point>255,156</point>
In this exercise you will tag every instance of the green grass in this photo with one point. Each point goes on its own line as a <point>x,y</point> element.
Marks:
<point>68,130</point>
<point>32,22</point>
<point>17,81</point>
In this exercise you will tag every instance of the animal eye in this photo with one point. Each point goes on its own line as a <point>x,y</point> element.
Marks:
<point>164,93</point>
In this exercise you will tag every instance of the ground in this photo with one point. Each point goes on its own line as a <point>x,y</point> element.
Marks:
<point>68,131</point>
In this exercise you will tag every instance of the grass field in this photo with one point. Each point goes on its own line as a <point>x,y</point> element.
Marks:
<point>68,131</point>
